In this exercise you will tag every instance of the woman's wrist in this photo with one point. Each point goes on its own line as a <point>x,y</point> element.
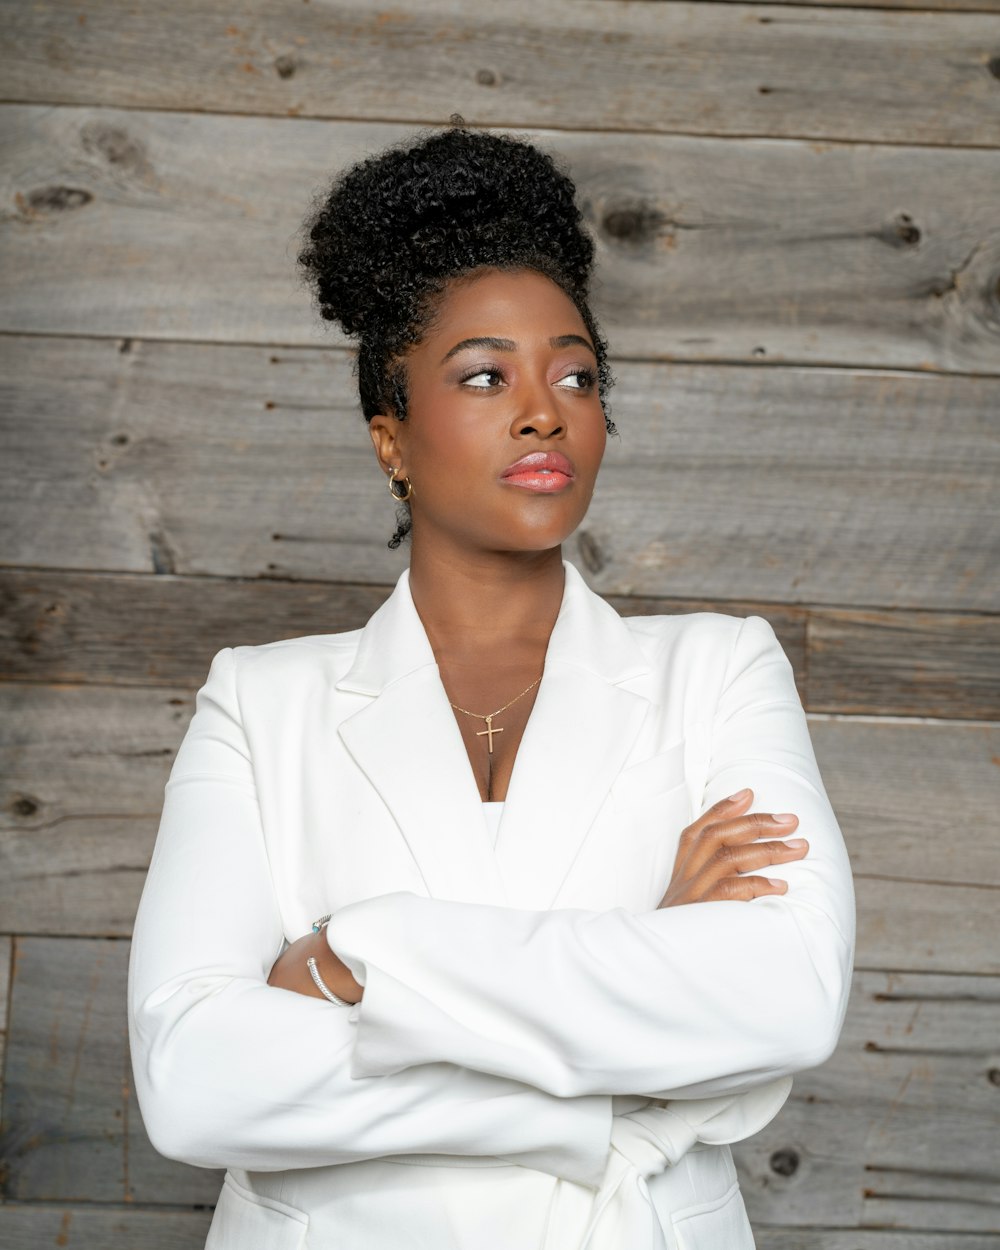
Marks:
<point>291,971</point>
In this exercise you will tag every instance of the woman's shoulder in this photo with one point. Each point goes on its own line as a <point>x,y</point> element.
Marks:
<point>282,658</point>
<point>708,635</point>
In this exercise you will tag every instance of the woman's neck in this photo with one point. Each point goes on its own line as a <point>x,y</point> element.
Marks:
<point>487,605</point>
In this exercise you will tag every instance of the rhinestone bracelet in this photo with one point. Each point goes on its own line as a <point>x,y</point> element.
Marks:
<point>321,985</point>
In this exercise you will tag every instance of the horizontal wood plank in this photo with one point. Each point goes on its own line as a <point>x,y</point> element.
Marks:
<point>728,483</point>
<point>898,1129</point>
<point>185,226</point>
<point>83,770</point>
<point>907,663</point>
<point>73,1130</point>
<point>6,948</point>
<point>703,68</point>
<point>79,1227</point>
<point>163,630</point>
<point>127,1228</point>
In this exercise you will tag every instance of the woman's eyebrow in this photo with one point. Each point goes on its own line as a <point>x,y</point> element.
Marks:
<point>508,345</point>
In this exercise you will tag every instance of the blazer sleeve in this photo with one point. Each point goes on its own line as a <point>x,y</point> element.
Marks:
<point>685,1002</point>
<point>232,1072</point>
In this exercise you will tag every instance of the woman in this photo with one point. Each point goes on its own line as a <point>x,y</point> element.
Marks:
<point>484,926</point>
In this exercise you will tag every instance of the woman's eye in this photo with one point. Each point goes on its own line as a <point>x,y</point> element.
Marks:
<point>472,379</point>
<point>584,379</point>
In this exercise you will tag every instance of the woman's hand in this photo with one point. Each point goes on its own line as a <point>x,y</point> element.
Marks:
<point>726,842</point>
<point>290,971</point>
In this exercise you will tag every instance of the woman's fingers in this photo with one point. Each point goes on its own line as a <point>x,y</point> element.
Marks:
<point>735,831</point>
<point>729,861</point>
<point>744,888</point>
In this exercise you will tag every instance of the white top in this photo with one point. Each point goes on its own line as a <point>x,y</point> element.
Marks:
<point>493,812</point>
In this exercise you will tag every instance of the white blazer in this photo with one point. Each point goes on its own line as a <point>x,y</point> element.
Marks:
<point>525,1003</point>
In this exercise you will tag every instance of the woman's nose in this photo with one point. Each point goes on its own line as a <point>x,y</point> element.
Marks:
<point>539,415</point>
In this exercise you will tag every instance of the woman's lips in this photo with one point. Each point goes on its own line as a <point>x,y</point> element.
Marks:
<point>541,471</point>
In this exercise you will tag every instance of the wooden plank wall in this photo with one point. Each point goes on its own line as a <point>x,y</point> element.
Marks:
<point>795,207</point>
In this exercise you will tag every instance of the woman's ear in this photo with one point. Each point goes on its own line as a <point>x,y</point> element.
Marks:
<point>385,431</point>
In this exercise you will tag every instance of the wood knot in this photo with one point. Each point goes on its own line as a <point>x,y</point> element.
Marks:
<point>632,223</point>
<point>116,146</point>
<point>902,231</point>
<point>993,65</point>
<point>285,65</point>
<point>993,1076</point>
<point>24,806</point>
<point>56,199</point>
<point>486,78</point>
<point>784,1162</point>
<point>590,551</point>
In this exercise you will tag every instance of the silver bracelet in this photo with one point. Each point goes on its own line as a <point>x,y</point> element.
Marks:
<point>322,986</point>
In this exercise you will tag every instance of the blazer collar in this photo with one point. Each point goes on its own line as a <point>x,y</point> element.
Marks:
<point>588,633</point>
<point>581,729</point>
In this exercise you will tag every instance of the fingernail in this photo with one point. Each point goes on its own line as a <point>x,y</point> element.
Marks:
<point>786,818</point>
<point>778,883</point>
<point>735,798</point>
<point>796,843</point>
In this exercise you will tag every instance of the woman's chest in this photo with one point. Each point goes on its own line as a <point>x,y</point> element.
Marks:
<point>341,826</point>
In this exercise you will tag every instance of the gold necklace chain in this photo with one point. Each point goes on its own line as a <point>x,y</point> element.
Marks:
<point>489,731</point>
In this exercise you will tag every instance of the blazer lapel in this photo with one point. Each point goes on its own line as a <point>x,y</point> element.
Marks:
<point>408,744</point>
<point>581,730</point>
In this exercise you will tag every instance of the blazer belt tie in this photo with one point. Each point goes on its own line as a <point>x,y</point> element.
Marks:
<point>644,1144</point>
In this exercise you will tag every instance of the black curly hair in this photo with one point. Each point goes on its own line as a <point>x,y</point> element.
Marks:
<point>382,244</point>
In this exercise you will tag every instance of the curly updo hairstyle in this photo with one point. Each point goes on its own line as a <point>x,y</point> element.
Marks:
<point>382,244</point>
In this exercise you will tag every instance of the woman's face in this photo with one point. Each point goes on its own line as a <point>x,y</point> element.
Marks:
<point>507,371</point>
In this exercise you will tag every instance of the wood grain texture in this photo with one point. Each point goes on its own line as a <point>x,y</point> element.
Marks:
<point>81,788</point>
<point>784,486</point>
<point>138,629</point>
<point>898,1129</point>
<point>6,950</point>
<point>700,68</point>
<point>73,1129</point>
<point>83,770</point>
<point>78,1227</point>
<point>185,226</point>
<point>909,663</point>
<point>83,1228</point>
<point>134,629</point>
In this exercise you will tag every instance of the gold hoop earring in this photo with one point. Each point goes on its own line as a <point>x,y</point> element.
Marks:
<point>394,482</point>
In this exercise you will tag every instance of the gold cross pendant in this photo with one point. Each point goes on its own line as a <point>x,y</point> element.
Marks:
<point>490,731</point>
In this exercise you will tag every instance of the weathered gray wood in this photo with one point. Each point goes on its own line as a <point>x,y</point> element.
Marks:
<point>927,926</point>
<point>905,663</point>
<point>869,1239</point>
<point>899,1127</point>
<point>83,1228</point>
<point>145,630</point>
<point>915,801</point>
<point>5,960</point>
<point>699,68</point>
<point>82,785</point>
<point>781,486</point>
<point>172,225</point>
<point>74,1131</point>
<point>81,779</point>
<point>125,1228</point>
